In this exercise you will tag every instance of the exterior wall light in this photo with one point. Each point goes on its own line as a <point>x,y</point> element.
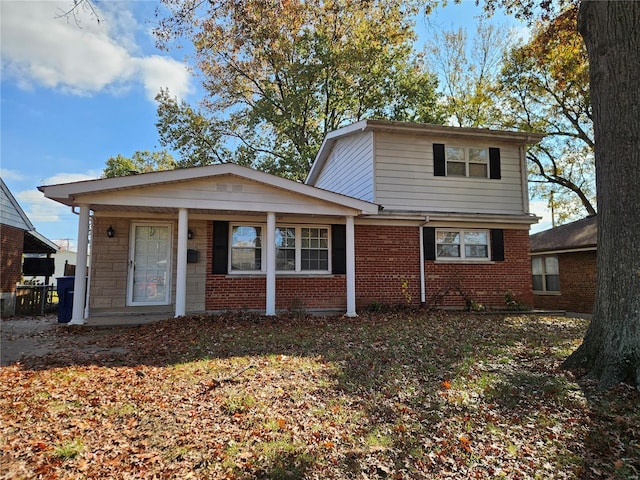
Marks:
<point>110,232</point>
<point>190,234</point>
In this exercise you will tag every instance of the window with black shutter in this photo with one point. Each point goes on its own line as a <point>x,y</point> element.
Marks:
<point>339,249</point>
<point>497,245</point>
<point>472,162</point>
<point>220,247</point>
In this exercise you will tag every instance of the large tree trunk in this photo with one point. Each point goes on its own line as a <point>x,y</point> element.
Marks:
<point>611,348</point>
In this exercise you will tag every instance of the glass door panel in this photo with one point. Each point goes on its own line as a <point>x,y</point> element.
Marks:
<point>150,265</point>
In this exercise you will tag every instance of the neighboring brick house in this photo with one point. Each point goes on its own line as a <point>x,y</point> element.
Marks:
<point>563,261</point>
<point>391,213</point>
<point>17,237</point>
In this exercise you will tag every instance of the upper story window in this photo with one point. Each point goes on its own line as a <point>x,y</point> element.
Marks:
<point>471,162</point>
<point>462,244</point>
<point>298,249</point>
<point>467,162</point>
<point>545,274</point>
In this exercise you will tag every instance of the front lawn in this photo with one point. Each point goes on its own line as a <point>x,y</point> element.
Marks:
<point>398,396</point>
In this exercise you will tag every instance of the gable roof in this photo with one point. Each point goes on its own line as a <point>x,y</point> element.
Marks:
<point>580,235</point>
<point>518,138</point>
<point>101,189</point>
<point>35,242</point>
<point>11,214</point>
<point>10,211</point>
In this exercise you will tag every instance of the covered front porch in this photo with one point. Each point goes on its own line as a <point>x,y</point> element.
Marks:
<point>175,201</point>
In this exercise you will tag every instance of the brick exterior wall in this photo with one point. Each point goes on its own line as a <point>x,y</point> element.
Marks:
<point>12,241</point>
<point>486,284</point>
<point>387,272</point>
<point>577,284</point>
<point>11,247</point>
<point>387,265</point>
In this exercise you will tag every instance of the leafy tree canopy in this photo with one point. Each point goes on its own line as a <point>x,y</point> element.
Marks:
<point>545,88</point>
<point>280,75</point>
<point>468,67</point>
<point>139,162</point>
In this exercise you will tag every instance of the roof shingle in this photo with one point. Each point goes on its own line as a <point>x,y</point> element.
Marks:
<point>576,235</point>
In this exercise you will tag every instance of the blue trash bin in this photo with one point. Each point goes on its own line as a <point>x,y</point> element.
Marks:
<point>64,288</point>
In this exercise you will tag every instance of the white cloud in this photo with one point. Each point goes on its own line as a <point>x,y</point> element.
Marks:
<point>71,177</point>
<point>541,209</point>
<point>82,57</point>
<point>40,209</point>
<point>9,175</point>
<point>157,74</point>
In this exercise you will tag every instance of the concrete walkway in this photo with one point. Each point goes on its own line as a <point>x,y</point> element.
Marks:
<point>36,336</point>
<point>26,336</point>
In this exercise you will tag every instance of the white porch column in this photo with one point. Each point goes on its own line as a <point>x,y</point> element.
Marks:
<point>181,262</point>
<point>351,269</point>
<point>271,264</point>
<point>80,282</point>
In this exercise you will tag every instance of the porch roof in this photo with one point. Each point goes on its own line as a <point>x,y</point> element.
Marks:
<point>224,187</point>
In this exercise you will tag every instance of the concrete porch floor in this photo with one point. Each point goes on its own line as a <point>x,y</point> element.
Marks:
<point>124,320</point>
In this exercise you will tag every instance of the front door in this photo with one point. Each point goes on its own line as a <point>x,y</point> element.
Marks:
<point>150,264</point>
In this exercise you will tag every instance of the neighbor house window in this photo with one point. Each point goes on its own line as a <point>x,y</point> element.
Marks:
<point>546,274</point>
<point>467,162</point>
<point>462,244</point>
<point>298,249</point>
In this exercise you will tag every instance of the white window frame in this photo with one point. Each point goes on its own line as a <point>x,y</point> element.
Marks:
<point>545,274</point>
<point>467,161</point>
<point>463,257</point>
<point>298,249</point>
<point>262,249</point>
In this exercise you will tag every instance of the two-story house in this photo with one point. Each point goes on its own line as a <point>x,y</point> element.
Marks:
<point>391,212</point>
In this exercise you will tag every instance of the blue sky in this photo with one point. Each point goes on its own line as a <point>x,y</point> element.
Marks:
<point>76,93</point>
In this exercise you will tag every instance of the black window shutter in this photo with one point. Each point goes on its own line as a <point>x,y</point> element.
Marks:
<point>494,163</point>
<point>497,245</point>
<point>220,247</point>
<point>439,165</point>
<point>339,249</point>
<point>429,243</point>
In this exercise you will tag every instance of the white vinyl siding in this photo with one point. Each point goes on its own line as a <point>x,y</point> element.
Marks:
<point>349,168</point>
<point>11,213</point>
<point>405,178</point>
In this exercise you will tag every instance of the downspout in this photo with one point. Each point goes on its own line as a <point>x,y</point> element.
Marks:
<point>423,287</point>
